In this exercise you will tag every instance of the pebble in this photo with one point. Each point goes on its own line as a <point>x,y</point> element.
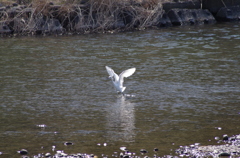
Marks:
<point>216,138</point>
<point>125,156</point>
<point>23,152</point>
<point>68,143</point>
<point>155,149</point>
<point>47,155</point>
<point>219,128</point>
<point>53,148</point>
<point>59,151</point>
<point>192,146</point>
<point>143,151</point>
<point>225,137</point>
<point>224,154</point>
<point>123,148</point>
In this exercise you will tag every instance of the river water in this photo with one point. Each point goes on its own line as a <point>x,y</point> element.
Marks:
<point>186,89</point>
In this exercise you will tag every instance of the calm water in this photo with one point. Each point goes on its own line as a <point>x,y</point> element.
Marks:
<point>187,83</point>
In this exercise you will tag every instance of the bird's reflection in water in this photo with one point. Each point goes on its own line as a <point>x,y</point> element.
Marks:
<point>121,120</point>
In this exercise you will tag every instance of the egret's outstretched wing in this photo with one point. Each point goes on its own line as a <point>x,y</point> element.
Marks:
<point>112,74</point>
<point>126,73</point>
<point>110,71</point>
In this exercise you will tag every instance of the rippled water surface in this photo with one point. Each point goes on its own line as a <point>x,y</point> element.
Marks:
<point>186,84</point>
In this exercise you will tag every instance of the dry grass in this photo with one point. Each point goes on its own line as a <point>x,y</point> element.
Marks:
<point>7,2</point>
<point>102,15</point>
<point>93,15</point>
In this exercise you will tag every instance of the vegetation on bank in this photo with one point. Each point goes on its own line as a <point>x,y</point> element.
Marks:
<point>79,16</point>
<point>9,2</point>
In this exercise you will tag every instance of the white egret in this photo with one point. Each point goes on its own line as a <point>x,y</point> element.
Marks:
<point>118,80</point>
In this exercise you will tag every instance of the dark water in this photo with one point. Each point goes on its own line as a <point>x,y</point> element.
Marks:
<point>187,83</point>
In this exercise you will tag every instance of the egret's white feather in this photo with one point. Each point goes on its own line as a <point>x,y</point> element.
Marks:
<point>118,80</point>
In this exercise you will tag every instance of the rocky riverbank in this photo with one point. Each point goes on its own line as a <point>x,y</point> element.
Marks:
<point>43,17</point>
<point>228,147</point>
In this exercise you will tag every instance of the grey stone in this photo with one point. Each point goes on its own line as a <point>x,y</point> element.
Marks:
<point>4,29</point>
<point>190,16</point>
<point>42,26</point>
<point>167,6</point>
<point>229,14</point>
<point>164,21</point>
<point>214,5</point>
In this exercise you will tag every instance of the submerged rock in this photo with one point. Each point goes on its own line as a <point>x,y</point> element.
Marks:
<point>23,152</point>
<point>144,151</point>
<point>48,155</point>
<point>155,149</point>
<point>68,143</point>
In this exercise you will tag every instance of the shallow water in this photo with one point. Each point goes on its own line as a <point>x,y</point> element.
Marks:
<point>187,83</point>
